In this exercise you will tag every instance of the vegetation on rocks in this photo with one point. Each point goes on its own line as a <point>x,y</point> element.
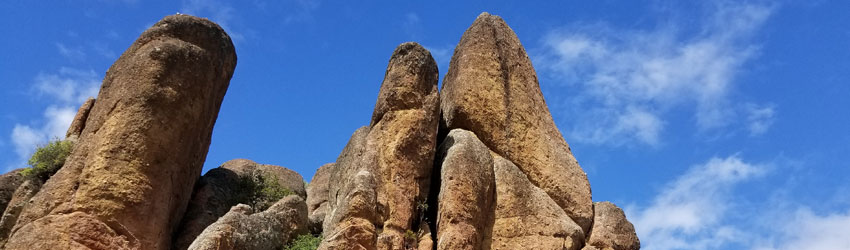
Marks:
<point>304,242</point>
<point>48,159</point>
<point>261,190</point>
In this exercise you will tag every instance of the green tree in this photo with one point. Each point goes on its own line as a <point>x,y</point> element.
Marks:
<point>261,190</point>
<point>304,242</point>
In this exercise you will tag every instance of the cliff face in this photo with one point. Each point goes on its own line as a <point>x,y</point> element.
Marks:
<point>478,164</point>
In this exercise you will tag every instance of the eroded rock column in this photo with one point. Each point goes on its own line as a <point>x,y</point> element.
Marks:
<point>128,180</point>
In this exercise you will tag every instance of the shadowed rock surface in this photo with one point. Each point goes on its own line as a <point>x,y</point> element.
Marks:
<point>131,174</point>
<point>491,89</point>
<point>268,230</point>
<point>9,182</point>
<point>611,229</point>
<point>20,199</point>
<point>218,190</point>
<point>467,192</point>
<point>317,197</point>
<point>385,169</point>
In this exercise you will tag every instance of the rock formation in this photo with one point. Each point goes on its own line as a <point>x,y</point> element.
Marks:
<point>79,122</point>
<point>317,197</point>
<point>491,89</point>
<point>130,177</point>
<point>268,230</point>
<point>219,190</point>
<point>479,164</point>
<point>385,170</point>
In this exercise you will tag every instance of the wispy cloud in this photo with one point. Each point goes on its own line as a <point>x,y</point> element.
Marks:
<point>803,229</point>
<point>691,212</point>
<point>759,118</point>
<point>627,82</point>
<point>62,92</point>
<point>73,54</point>
<point>217,11</point>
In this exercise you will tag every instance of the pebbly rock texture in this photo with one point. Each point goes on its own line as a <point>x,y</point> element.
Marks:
<point>491,89</point>
<point>385,170</point>
<point>317,197</point>
<point>467,192</point>
<point>218,190</point>
<point>611,229</point>
<point>525,216</point>
<point>20,199</point>
<point>131,174</point>
<point>9,182</point>
<point>268,230</point>
<point>79,122</point>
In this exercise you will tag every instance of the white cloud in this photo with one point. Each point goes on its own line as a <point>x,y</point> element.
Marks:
<point>759,119</point>
<point>804,229</point>
<point>73,54</point>
<point>690,212</point>
<point>62,92</point>
<point>626,82</point>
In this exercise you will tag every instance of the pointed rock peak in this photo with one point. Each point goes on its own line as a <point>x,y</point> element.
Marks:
<point>410,81</point>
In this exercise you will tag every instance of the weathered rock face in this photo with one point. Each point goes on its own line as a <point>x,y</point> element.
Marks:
<point>218,190</point>
<point>393,157</point>
<point>131,174</point>
<point>268,230</point>
<point>20,199</point>
<point>491,89</point>
<point>9,182</point>
<point>467,192</point>
<point>611,230</point>
<point>79,121</point>
<point>526,217</point>
<point>317,197</point>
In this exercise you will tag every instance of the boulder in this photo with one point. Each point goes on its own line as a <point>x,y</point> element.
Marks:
<point>467,192</point>
<point>240,228</point>
<point>9,182</point>
<point>132,171</point>
<point>317,197</point>
<point>396,151</point>
<point>526,217</point>
<point>79,121</point>
<point>492,90</point>
<point>218,190</point>
<point>20,199</point>
<point>611,230</point>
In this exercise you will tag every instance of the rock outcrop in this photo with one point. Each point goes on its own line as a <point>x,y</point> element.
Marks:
<point>20,199</point>
<point>467,192</point>
<point>611,230</point>
<point>317,197</point>
<point>385,170</point>
<point>268,230</point>
<point>219,190</point>
<point>9,182</point>
<point>131,174</point>
<point>79,122</point>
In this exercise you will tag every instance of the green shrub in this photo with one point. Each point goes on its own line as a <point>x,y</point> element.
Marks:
<point>261,190</point>
<point>48,159</point>
<point>304,242</point>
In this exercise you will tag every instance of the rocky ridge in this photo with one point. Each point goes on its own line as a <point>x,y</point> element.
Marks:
<point>476,164</point>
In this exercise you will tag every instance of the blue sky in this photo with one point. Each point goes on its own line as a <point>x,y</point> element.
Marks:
<point>715,125</point>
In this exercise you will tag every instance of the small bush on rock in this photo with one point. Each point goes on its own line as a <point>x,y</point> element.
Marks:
<point>304,242</point>
<point>261,190</point>
<point>48,159</point>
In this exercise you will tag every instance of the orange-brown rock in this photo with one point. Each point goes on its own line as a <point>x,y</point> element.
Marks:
<point>20,199</point>
<point>397,153</point>
<point>268,230</point>
<point>9,182</point>
<point>611,230</point>
<point>317,197</point>
<point>79,121</point>
<point>132,171</point>
<point>526,217</point>
<point>467,192</point>
<point>492,90</point>
<point>218,190</point>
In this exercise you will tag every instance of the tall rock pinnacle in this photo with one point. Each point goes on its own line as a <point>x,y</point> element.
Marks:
<point>130,177</point>
<point>491,89</point>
